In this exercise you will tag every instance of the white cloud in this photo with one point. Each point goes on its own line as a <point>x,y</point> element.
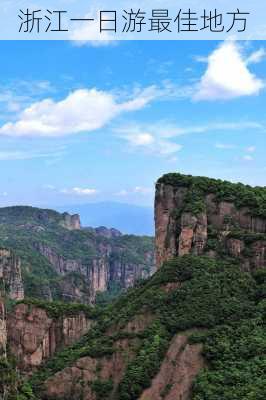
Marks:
<point>18,93</point>
<point>248,157</point>
<point>224,146</point>
<point>141,139</point>
<point>227,75</point>
<point>88,33</point>
<point>251,149</point>
<point>83,110</point>
<point>256,56</point>
<point>8,155</point>
<point>152,139</point>
<point>4,194</point>
<point>143,190</point>
<point>158,138</point>
<point>80,191</point>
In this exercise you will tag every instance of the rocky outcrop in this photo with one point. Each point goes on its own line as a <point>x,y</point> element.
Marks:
<point>34,335</point>
<point>11,287</point>
<point>108,233</point>
<point>177,232</point>
<point>71,222</point>
<point>3,330</point>
<point>75,382</point>
<point>181,365</point>
<point>216,226</point>
<point>10,275</point>
<point>193,234</point>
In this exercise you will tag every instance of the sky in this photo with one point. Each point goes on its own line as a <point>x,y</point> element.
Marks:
<point>86,123</point>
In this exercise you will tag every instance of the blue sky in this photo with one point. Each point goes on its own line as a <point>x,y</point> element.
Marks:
<point>84,124</point>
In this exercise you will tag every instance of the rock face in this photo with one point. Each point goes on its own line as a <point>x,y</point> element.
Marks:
<point>11,286</point>
<point>71,222</point>
<point>75,381</point>
<point>181,365</point>
<point>34,336</point>
<point>104,271</point>
<point>177,232</point>
<point>217,226</point>
<point>3,330</point>
<point>10,275</point>
<point>109,233</point>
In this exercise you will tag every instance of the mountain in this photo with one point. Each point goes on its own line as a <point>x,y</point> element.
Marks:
<point>194,330</point>
<point>62,261</point>
<point>201,216</point>
<point>127,218</point>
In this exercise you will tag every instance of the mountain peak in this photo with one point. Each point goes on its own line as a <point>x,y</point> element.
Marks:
<point>18,215</point>
<point>198,215</point>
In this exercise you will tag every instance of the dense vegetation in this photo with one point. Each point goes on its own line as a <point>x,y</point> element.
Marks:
<point>12,385</point>
<point>236,356</point>
<point>25,229</point>
<point>216,296</point>
<point>241,195</point>
<point>59,309</point>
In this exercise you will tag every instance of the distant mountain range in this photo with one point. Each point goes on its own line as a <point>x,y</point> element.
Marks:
<point>127,218</point>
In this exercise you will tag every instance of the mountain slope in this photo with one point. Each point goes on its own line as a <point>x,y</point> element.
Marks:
<point>201,312</point>
<point>60,260</point>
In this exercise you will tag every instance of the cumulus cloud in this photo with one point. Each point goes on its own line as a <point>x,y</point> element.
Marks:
<point>227,75</point>
<point>83,110</point>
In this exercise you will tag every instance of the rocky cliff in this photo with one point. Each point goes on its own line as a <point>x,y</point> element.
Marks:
<point>62,261</point>
<point>11,287</point>
<point>10,275</point>
<point>112,266</point>
<point>71,222</point>
<point>195,215</point>
<point>3,330</point>
<point>35,333</point>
